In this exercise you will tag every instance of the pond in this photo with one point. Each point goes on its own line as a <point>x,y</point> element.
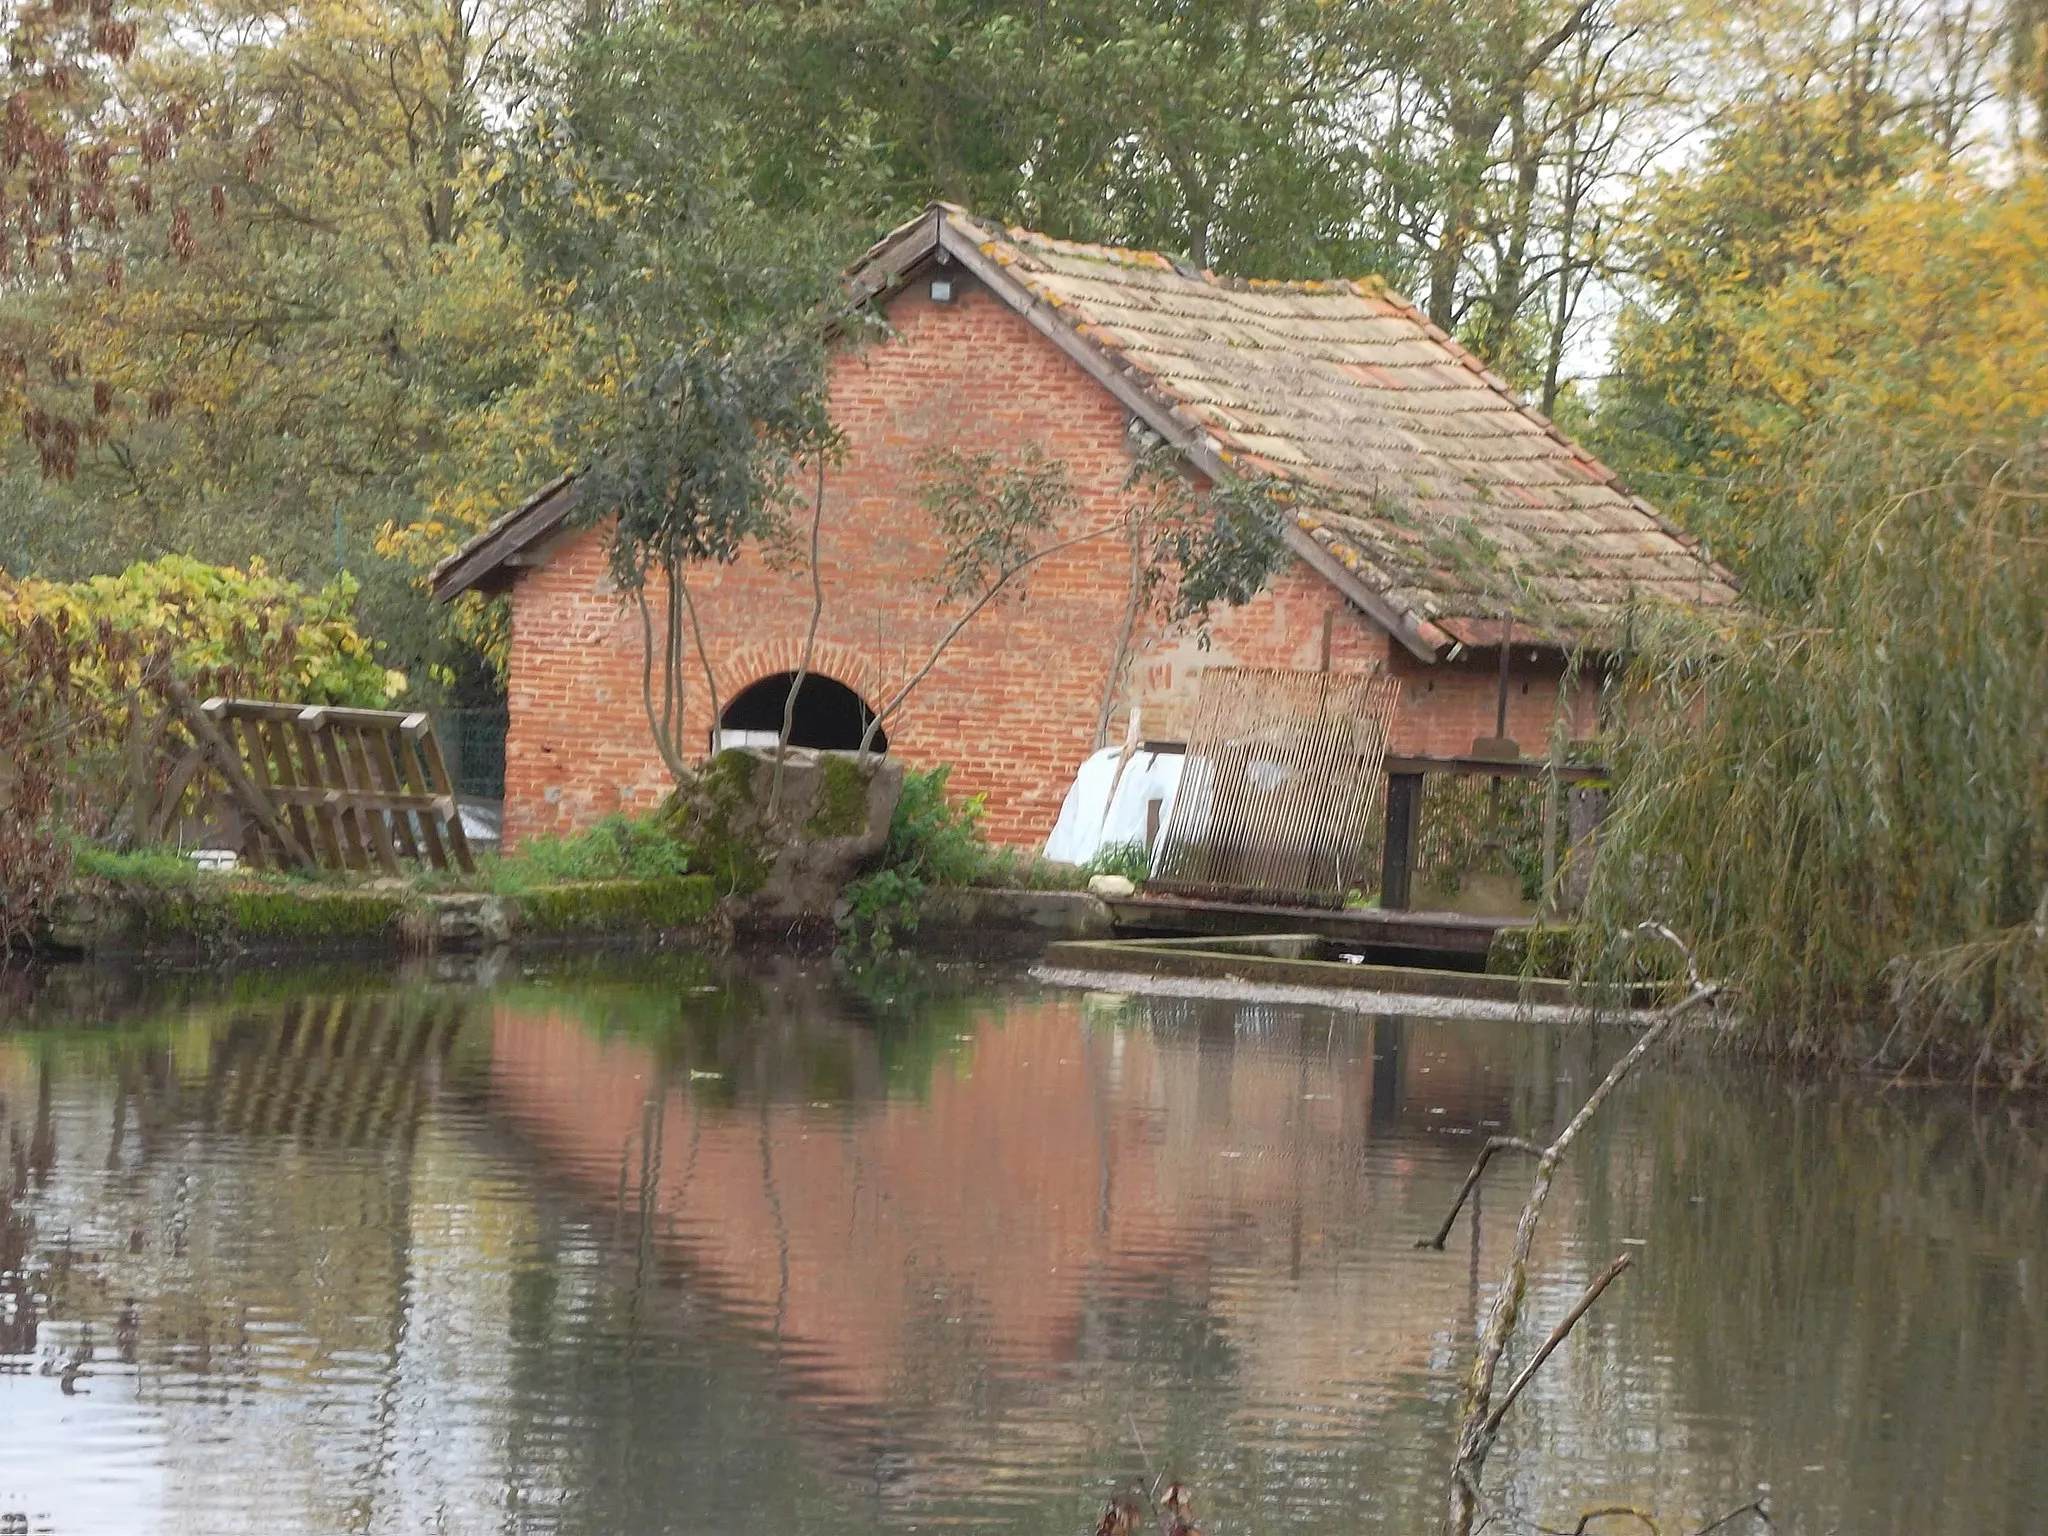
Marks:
<point>662,1245</point>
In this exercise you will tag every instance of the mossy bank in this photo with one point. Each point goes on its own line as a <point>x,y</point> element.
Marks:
<point>224,915</point>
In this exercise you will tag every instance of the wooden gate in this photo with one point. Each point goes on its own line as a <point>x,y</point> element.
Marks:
<point>321,785</point>
<point>1283,769</point>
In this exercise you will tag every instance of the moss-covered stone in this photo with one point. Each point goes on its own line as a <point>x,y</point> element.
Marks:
<point>270,916</point>
<point>622,906</point>
<point>842,808</point>
<point>717,816</point>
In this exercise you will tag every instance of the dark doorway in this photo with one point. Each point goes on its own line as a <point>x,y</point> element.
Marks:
<point>829,715</point>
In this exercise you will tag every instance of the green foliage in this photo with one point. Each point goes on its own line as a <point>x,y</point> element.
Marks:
<point>245,631</point>
<point>1473,825</point>
<point>337,343</point>
<point>935,837</point>
<point>1132,860</point>
<point>163,868</point>
<point>992,513</point>
<point>1221,543</point>
<point>933,840</point>
<point>616,848</point>
<point>1844,807</point>
<point>879,910</point>
<point>89,740</point>
<point>698,329</point>
<point>1806,273</point>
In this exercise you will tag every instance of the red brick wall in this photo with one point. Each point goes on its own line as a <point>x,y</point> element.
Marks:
<point>1012,704</point>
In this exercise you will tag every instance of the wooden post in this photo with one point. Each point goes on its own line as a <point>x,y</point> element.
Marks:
<point>1546,904</point>
<point>1404,821</point>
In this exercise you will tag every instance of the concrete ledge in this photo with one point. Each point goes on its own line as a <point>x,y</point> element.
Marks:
<point>1015,922</point>
<point>1278,960</point>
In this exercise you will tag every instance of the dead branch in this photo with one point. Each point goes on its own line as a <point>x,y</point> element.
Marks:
<point>1493,1144</point>
<point>1557,1336</point>
<point>1482,1425</point>
<point>1604,1512</point>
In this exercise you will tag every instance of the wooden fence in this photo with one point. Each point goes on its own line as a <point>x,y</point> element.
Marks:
<point>324,786</point>
<point>1282,773</point>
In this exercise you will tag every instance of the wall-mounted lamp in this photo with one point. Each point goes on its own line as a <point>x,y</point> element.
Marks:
<point>942,290</point>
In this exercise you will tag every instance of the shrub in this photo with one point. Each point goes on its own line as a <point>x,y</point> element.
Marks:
<point>1842,804</point>
<point>932,841</point>
<point>88,745</point>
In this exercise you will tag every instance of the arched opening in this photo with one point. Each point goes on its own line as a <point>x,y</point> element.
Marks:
<point>829,715</point>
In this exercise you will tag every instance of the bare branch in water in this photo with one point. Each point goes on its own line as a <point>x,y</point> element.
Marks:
<point>1558,1334</point>
<point>1760,1506</point>
<point>1604,1512</point>
<point>1482,1423</point>
<point>1493,1144</point>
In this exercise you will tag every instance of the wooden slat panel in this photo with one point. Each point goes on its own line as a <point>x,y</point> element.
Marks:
<point>412,775</point>
<point>355,762</point>
<point>278,740</point>
<point>355,844</point>
<point>437,780</point>
<point>377,749</point>
<point>322,796</point>
<point>355,788</point>
<point>1282,770</point>
<point>242,735</point>
<point>377,799</point>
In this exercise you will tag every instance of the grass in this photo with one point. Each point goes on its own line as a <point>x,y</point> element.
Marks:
<point>617,848</point>
<point>164,868</point>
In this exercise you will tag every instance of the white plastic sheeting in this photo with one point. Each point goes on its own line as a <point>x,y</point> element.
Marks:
<point>1092,820</point>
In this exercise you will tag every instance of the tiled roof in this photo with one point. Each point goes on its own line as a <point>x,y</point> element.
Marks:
<point>1433,485</point>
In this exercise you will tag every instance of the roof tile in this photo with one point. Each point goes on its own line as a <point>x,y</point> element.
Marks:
<point>1440,488</point>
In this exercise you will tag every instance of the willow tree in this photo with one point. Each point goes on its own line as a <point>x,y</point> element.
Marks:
<point>1841,797</point>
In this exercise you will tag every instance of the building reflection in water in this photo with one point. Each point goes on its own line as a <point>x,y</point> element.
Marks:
<point>758,1251</point>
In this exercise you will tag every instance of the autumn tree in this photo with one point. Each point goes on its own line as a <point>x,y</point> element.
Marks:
<point>327,335</point>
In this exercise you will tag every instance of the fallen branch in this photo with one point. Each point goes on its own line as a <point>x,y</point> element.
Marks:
<point>1760,1506</point>
<point>1558,1335</point>
<point>1482,1423</point>
<point>1493,1144</point>
<point>1604,1512</point>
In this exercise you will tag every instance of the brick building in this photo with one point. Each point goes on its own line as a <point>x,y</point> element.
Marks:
<point>1439,504</point>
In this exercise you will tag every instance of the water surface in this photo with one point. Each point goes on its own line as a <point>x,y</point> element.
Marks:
<point>653,1246</point>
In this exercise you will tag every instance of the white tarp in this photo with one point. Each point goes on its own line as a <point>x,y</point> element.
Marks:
<point>1091,821</point>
